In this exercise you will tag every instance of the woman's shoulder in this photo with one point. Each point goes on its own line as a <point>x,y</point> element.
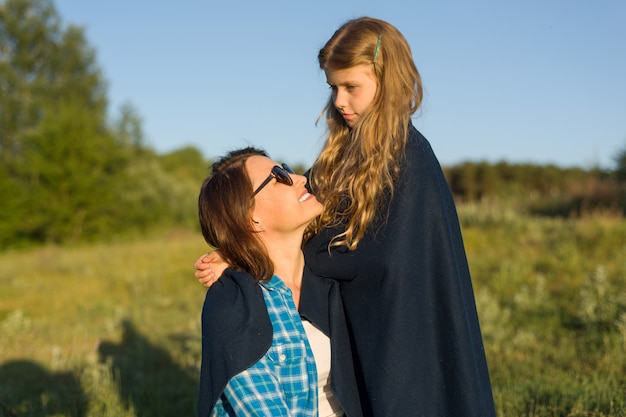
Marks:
<point>233,291</point>
<point>232,279</point>
<point>233,303</point>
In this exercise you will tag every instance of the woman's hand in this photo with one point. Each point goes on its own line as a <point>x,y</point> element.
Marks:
<point>209,267</point>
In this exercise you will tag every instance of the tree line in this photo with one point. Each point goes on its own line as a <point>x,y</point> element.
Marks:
<point>71,173</point>
<point>542,189</point>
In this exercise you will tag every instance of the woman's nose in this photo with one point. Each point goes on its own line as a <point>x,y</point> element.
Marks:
<point>298,179</point>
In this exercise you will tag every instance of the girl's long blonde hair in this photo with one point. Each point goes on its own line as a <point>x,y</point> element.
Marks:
<point>355,172</point>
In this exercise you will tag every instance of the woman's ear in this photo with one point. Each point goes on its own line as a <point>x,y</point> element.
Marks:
<point>257,225</point>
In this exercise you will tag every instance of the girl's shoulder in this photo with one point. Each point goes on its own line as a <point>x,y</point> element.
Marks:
<point>418,149</point>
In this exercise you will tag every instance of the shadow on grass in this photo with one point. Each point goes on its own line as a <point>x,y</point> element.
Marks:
<point>148,377</point>
<point>27,389</point>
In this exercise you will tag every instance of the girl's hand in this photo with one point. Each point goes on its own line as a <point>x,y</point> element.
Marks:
<point>209,267</point>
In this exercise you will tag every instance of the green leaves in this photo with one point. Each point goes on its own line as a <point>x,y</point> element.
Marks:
<point>68,174</point>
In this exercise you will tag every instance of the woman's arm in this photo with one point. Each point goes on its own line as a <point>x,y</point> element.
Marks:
<point>255,392</point>
<point>209,267</point>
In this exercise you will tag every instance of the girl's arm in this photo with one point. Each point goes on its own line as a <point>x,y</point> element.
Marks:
<point>209,267</point>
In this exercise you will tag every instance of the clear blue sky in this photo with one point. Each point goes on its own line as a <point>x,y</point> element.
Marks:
<point>541,81</point>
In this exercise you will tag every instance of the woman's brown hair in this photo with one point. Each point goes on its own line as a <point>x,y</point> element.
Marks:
<point>224,207</point>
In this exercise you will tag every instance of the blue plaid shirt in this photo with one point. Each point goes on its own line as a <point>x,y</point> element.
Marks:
<point>284,381</point>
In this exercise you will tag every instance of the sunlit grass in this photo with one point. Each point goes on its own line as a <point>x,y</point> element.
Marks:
<point>114,329</point>
<point>118,321</point>
<point>551,296</point>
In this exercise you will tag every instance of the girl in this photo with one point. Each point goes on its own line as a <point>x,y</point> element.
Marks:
<point>390,238</point>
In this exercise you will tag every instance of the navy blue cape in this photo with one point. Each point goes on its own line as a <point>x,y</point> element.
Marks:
<point>237,332</point>
<point>408,301</point>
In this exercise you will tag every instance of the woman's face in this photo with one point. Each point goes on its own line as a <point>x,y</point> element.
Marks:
<point>279,207</point>
<point>353,89</point>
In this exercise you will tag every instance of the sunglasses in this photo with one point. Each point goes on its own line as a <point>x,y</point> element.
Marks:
<point>281,175</point>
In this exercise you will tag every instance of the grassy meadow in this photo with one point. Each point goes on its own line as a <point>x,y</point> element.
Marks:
<point>114,329</point>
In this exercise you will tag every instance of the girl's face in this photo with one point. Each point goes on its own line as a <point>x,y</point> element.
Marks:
<point>279,207</point>
<point>353,89</point>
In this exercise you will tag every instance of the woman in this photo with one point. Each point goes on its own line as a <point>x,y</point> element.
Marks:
<point>256,356</point>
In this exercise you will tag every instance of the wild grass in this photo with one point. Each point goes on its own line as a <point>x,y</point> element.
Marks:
<point>107,330</point>
<point>114,329</point>
<point>551,296</point>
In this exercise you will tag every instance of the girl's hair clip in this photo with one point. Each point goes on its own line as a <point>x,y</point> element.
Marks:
<point>377,47</point>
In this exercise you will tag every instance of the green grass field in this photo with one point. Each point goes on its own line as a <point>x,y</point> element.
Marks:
<point>114,330</point>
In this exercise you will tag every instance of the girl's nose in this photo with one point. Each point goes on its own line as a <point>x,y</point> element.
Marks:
<point>339,101</point>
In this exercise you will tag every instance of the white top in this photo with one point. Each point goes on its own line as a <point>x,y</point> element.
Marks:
<point>320,345</point>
